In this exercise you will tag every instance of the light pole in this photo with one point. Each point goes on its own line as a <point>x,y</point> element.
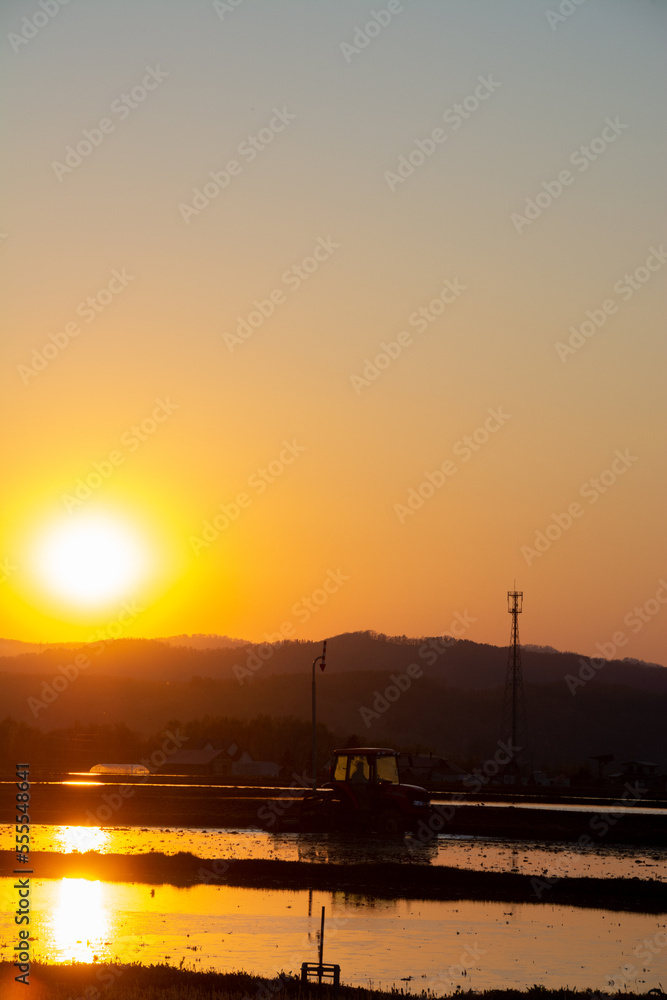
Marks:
<point>321,660</point>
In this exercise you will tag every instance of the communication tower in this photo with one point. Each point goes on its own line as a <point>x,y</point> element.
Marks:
<point>514,729</point>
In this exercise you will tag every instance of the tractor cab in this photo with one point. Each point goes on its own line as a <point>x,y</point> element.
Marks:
<point>365,766</point>
<point>366,790</point>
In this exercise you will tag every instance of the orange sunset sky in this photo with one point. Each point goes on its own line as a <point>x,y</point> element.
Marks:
<point>338,314</point>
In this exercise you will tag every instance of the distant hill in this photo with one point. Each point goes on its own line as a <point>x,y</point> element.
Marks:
<point>14,647</point>
<point>451,706</point>
<point>200,641</point>
<point>461,663</point>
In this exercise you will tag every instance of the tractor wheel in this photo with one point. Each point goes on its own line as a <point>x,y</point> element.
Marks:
<point>391,823</point>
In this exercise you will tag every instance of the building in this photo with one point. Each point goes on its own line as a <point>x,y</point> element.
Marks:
<point>246,767</point>
<point>208,761</point>
<point>640,769</point>
<point>426,769</point>
<point>139,769</point>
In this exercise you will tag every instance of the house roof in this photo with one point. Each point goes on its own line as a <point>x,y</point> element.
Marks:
<point>200,757</point>
<point>428,762</point>
<point>119,769</point>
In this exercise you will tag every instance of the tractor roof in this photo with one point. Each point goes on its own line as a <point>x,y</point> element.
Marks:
<point>375,751</point>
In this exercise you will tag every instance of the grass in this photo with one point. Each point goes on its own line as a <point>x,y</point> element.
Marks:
<point>163,982</point>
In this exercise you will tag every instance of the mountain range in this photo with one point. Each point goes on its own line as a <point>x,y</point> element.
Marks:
<point>427,693</point>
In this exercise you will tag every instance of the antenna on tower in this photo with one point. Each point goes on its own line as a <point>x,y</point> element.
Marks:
<point>514,729</point>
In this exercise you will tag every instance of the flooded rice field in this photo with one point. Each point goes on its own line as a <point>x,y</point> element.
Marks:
<point>415,944</point>
<point>547,860</point>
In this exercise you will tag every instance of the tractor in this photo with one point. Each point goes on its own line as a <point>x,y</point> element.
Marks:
<point>365,793</point>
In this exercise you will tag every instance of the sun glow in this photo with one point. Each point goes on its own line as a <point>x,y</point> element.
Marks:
<point>89,560</point>
<point>81,838</point>
<point>80,921</point>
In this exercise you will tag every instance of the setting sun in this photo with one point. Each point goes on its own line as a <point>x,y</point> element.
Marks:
<point>89,560</point>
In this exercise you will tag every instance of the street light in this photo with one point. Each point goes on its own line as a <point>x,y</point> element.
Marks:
<point>321,660</point>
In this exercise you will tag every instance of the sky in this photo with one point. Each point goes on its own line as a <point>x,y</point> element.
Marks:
<point>335,315</point>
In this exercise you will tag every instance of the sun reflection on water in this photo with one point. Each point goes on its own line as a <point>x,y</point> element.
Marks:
<point>81,920</point>
<point>80,838</point>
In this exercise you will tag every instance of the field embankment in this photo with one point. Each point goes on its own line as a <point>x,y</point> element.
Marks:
<point>388,880</point>
<point>162,982</point>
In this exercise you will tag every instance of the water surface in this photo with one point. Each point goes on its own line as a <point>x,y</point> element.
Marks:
<point>416,945</point>
<point>527,858</point>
